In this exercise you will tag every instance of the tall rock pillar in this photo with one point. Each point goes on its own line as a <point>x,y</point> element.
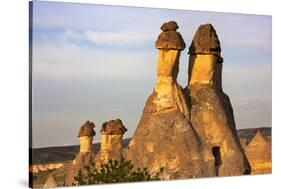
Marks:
<point>210,108</point>
<point>164,136</point>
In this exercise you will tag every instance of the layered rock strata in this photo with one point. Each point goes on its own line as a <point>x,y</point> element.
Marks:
<point>164,136</point>
<point>211,112</point>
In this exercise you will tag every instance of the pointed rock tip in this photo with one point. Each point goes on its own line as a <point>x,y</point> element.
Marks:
<point>258,139</point>
<point>205,41</point>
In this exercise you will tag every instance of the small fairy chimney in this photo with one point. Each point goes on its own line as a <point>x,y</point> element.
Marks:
<point>86,134</point>
<point>205,61</point>
<point>170,44</point>
<point>85,157</point>
<point>111,141</point>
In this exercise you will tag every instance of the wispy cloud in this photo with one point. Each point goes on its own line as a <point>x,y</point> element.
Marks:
<point>67,61</point>
<point>117,38</point>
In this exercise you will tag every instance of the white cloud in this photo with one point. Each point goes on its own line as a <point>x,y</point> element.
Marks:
<point>120,38</point>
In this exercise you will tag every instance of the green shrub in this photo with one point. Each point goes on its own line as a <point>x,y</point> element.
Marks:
<point>114,172</point>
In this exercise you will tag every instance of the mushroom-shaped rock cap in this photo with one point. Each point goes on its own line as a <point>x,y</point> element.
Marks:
<point>113,127</point>
<point>205,41</point>
<point>169,38</point>
<point>169,26</point>
<point>87,129</point>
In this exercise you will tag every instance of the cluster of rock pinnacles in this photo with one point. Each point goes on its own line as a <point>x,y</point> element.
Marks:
<point>190,132</point>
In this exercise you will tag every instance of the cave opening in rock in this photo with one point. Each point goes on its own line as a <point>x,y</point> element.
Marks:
<point>217,156</point>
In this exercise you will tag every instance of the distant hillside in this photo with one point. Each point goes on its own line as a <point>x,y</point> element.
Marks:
<point>64,153</point>
<point>248,134</point>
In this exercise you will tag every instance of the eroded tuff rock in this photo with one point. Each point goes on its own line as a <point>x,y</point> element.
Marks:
<point>85,157</point>
<point>258,152</point>
<point>111,141</point>
<point>164,137</point>
<point>50,182</point>
<point>205,41</point>
<point>210,108</point>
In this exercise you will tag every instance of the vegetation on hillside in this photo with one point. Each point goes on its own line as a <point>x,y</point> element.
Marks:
<point>114,172</point>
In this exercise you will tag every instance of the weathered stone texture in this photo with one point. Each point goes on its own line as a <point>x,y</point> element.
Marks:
<point>111,141</point>
<point>212,119</point>
<point>81,160</point>
<point>85,157</point>
<point>169,38</point>
<point>50,182</point>
<point>87,129</point>
<point>210,108</point>
<point>205,41</point>
<point>258,152</point>
<point>164,137</point>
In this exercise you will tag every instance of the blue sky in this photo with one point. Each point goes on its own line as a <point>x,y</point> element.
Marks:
<point>94,62</point>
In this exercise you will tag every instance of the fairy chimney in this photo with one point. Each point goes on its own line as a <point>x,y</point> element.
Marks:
<point>111,141</point>
<point>169,44</point>
<point>85,135</point>
<point>210,108</point>
<point>164,137</point>
<point>205,61</point>
<point>85,157</point>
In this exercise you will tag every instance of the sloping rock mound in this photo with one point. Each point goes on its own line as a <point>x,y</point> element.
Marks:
<point>212,118</point>
<point>258,152</point>
<point>50,182</point>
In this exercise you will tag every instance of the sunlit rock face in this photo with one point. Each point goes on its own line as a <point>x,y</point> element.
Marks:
<point>164,137</point>
<point>258,152</point>
<point>111,141</point>
<point>210,108</point>
<point>50,182</point>
<point>85,157</point>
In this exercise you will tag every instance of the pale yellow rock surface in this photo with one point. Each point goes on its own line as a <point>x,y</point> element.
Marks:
<point>169,93</point>
<point>202,68</point>
<point>164,137</point>
<point>85,157</point>
<point>50,182</point>
<point>258,152</point>
<point>86,143</point>
<point>111,148</point>
<point>211,111</point>
<point>111,141</point>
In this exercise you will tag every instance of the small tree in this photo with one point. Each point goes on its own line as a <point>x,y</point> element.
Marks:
<point>114,172</point>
